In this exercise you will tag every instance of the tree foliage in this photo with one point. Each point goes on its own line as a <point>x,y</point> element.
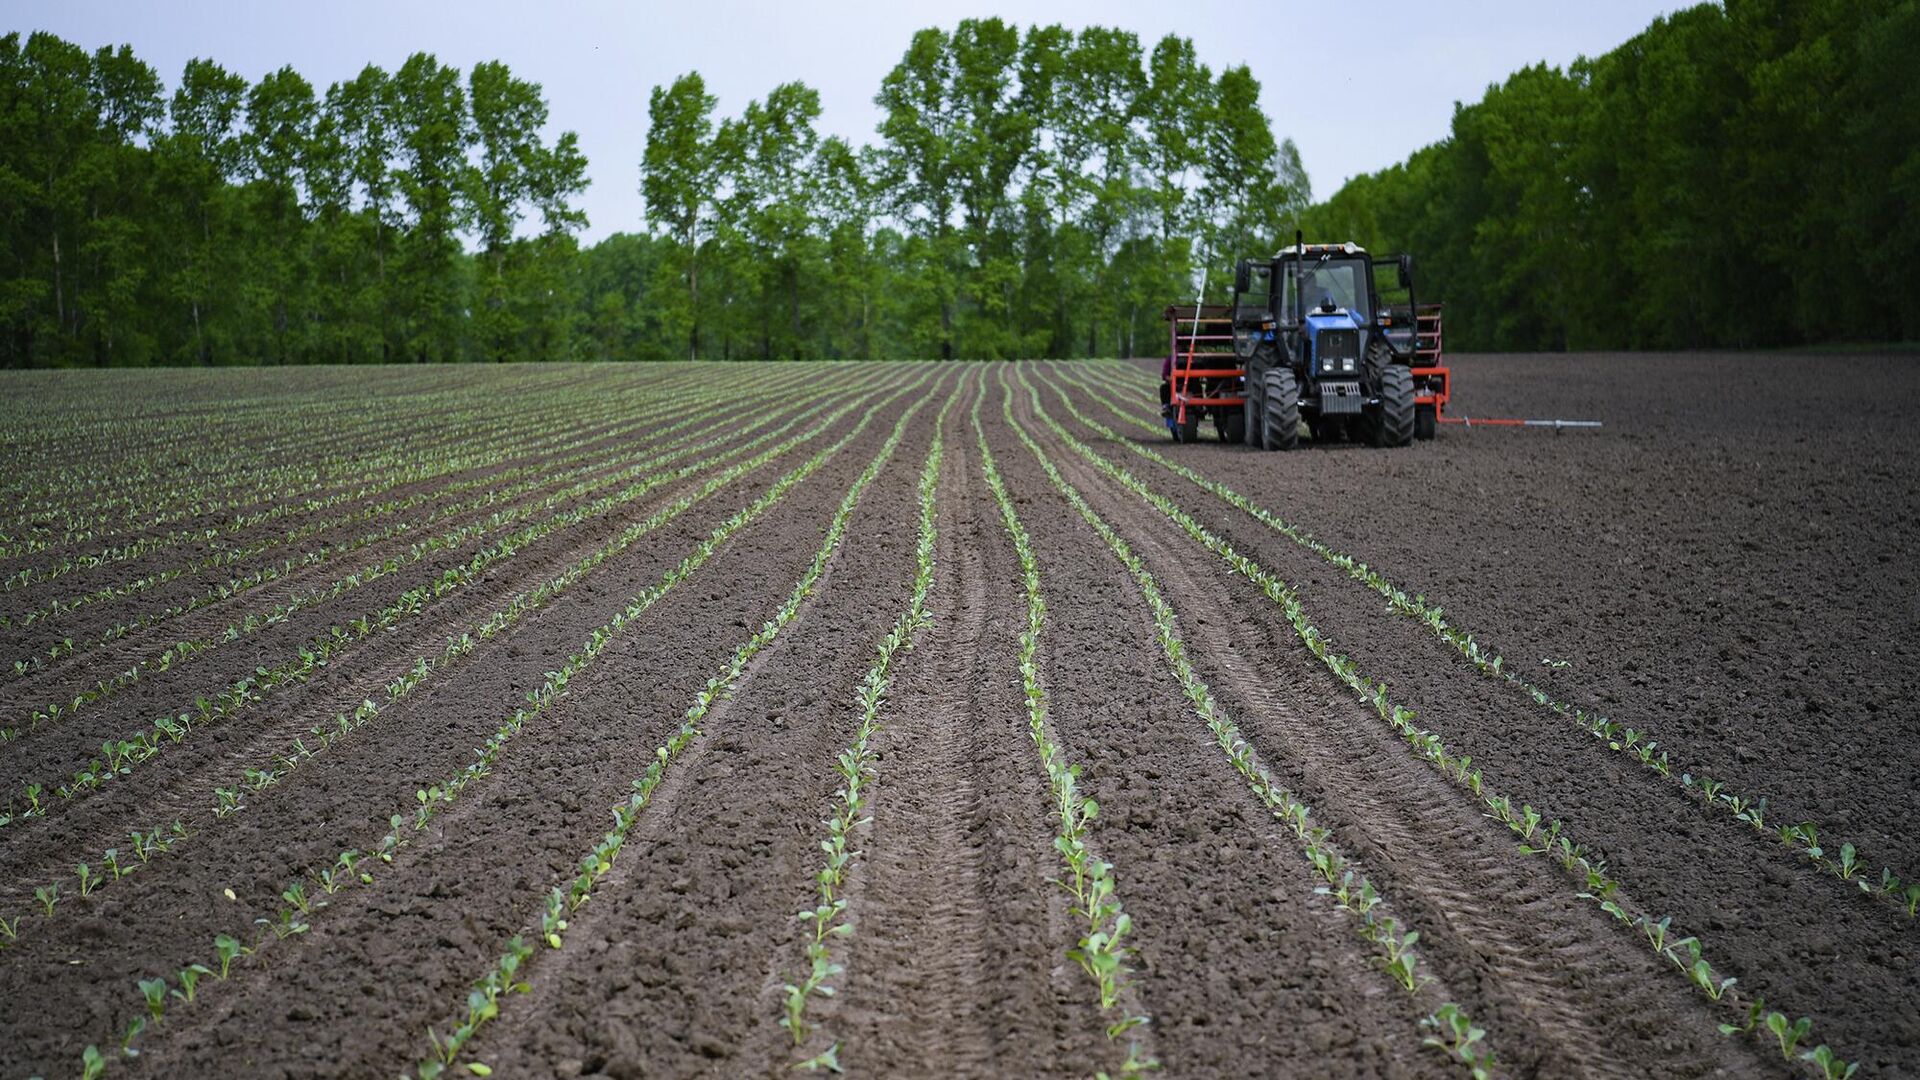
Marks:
<point>270,223</point>
<point>1732,176</point>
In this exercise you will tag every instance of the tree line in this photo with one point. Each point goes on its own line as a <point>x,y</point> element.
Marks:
<point>1732,176</point>
<point>1737,175</point>
<point>1037,192</point>
<point>271,223</point>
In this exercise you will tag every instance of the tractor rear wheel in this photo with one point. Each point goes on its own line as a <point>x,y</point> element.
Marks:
<point>1190,427</point>
<point>1393,425</point>
<point>1280,418</point>
<point>1425,420</point>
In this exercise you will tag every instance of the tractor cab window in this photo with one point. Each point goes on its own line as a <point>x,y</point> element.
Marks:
<point>1344,281</point>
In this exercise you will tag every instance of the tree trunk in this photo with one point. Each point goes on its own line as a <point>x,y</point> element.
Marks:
<point>793,305</point>
<point>59,292</point>
<point>693,312</point>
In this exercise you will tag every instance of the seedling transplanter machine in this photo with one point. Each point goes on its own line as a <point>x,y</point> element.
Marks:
<point>1310,343</point>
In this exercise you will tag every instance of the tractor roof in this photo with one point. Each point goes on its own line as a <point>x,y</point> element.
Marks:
<point>1348,248</point>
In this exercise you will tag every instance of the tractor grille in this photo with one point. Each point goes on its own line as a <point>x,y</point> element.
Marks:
<point>1340,398</point>
<point>1337,345</point>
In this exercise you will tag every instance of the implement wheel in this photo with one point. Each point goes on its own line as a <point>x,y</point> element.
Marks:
<point>1280,417</point>
<point>1425,420</point>
<point>1232,423</point>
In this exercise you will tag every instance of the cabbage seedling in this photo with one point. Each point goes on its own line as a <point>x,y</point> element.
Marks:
<point>155,991</point>
<point>48,895</point>
<point>1788,1034</point>
<point>92,1065</point>
<point>1848,869</point>
<point>1830,1064</point>
<point>1703,977</point>
<point>1755,1010</point>
<point>189,978</point>
<point>228,950</point>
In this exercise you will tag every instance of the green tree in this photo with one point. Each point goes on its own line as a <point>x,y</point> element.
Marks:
<point>679,180</point>
<point>432,136</point>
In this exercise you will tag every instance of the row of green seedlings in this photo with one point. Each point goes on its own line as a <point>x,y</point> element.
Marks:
<point>1102,951</point>
<point>238,479</point>
<point>410,465</point>
<point>120,757</point>
<point>827,918</point>
<point>181,493</point>
<point>235,586</point>
<point>184,651</point>
<point>484,1001</point>
<point>299,903</point>
<point>210,459</point>
<point>1454,1033</point>
<point>232,799</point>
<point>1537,836</point>
<point>543,470</point>
<point>157,994</point>
<point>1802,837</point>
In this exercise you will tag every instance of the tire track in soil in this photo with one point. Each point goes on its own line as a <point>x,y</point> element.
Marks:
<point>1790,939</point>
<point>957,950</point>
<point>675,966</point>
<point>1242,968</point>
<point>264,729</point>
<point>392,950</point>
<point>1705,754</point>
<point>1559,989</point>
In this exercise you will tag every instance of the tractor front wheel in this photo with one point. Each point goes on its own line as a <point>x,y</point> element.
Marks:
<point>1190,427</point>
<point>1393,426</point>
<point>1280,416</point>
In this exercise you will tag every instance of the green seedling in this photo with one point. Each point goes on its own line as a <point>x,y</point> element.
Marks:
<point>828,1059</point>
<point>92,1065</point>
<point>1755,1010</point>
<point>155,991</point>
<point>190,978</point>
<point>1830,1065</point>
<point>1849,867</point>
<point>87,881</point>
<point>48,895</point>
<point>1788,1034</point>
<point>1458,1038</point>
<point>1702,974</point>
<point>228,950</point>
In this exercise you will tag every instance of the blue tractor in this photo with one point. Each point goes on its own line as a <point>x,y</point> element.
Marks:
<point>1321,351</point>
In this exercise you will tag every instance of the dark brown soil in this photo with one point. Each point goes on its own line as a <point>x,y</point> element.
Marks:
<point>1728,563</point>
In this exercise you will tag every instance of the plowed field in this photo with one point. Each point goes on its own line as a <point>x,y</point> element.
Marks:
<point>931,720</point>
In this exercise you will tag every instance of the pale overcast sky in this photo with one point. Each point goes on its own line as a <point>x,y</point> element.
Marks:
<point>1357,85</point>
